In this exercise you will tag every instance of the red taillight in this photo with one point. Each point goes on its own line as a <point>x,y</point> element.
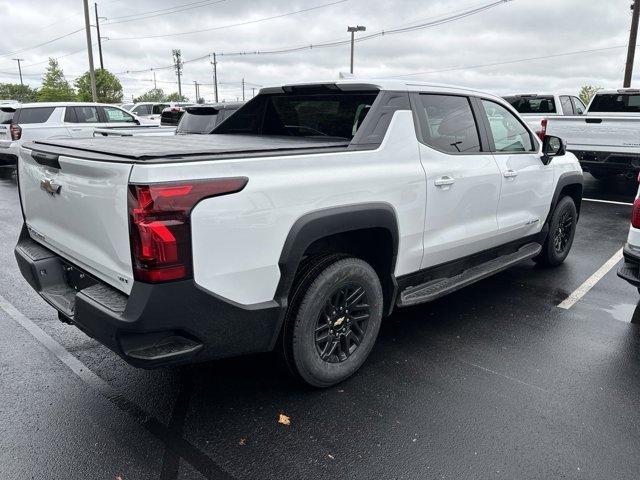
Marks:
<point>16,131</point>
<point>543,129</point>
<point>635,215</point>
<point>159,225</point>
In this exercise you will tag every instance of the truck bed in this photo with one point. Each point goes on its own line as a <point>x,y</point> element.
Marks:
<point>160,149</point>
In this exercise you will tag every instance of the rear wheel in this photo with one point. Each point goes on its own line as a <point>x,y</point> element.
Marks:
<point>333,321</point>
<point>562,229</point>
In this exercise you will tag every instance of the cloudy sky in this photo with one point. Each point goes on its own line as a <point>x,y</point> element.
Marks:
<point>498,49</point>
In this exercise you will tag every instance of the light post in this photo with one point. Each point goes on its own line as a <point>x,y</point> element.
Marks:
<point>352,31</point>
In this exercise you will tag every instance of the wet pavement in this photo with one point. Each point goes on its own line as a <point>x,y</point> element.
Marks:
<point>493,381</point>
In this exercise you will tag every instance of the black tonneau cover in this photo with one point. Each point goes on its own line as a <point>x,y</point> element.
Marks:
<point>184,147</point>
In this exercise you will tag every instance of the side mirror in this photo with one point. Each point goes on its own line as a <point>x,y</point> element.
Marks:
<point>552,147</point>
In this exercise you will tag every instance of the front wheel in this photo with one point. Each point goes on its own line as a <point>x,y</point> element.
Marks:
<point>333,321</point>
<point>562,230</point>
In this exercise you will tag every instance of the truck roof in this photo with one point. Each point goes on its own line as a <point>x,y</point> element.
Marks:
<point>390,84</point>
<point>64,104</point>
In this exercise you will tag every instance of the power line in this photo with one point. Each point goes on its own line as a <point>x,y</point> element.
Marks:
<point>159,13</point>
<point>402,29</point>
<point>8,54</point>
<point>509,62</point>
<point>221,27</point>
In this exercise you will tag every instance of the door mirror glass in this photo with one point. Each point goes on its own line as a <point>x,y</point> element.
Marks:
<point>553,147</point>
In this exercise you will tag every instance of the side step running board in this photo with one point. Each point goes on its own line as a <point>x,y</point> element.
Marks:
<point>442,286</point>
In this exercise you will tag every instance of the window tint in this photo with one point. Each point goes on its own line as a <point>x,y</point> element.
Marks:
<point>302,114</point>
<point>567,106</point>
<point>448,124</point>
<point>127,106</point>
<point>157,109</point>
<point>33,115</point>
<point>532,104</point>
<point>115,115</point>
<point>198,120</point>
<point>6,114</point>
<point>86,115</point>
<point>142,110</point>
<point>578,106</point>
<point>618,103</point>
<point>509,134</point>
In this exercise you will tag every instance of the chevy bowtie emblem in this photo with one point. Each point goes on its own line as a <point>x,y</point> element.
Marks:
<point>50,186</point>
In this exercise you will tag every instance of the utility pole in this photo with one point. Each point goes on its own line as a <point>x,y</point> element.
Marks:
<point>92,73</point>
<point>19,69</point>
<point>99,37</point>
<point>243,89</point>
<point>195,83</point>
<point>253,92</point>
<point>633,37</point>
<point>353,31</point>
<point>215,76</point>
<point>155,85</point>
<point>177,64</point>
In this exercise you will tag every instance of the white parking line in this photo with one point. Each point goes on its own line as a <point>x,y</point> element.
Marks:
<point>606,201</point>
<point>582,290</point>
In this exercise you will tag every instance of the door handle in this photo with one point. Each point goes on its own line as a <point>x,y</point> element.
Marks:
<point>510,174</point>
<point>76,129</point>
<point>444,181</point>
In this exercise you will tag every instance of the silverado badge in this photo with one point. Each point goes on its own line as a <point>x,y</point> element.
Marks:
<point>50,186</point>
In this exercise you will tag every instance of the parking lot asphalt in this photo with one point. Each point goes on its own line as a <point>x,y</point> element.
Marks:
<point>493,381</point>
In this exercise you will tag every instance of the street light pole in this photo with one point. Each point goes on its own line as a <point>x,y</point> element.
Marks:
<point>19,68</point>
<point>353,31</point>
<point>92,73</point>
<point>633,37</point>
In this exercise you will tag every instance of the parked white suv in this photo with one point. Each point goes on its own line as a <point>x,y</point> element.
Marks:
<point>40,121</point>
<point>302,220</point>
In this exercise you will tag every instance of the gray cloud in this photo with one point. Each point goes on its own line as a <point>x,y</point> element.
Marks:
<point>517,30</point>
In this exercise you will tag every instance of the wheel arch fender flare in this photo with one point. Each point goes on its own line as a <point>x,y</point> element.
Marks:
<point>567,179</point>
<point>324,223</point>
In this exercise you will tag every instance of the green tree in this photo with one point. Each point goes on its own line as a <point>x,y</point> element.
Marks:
<point>15,91</point>
<point>587,92</point>
<point>108,87</point>
<point>176,97</point>
<point>153,95</point>
<point>55,87</point>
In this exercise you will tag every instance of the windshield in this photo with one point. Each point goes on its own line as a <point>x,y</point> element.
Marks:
<point>616,103</point>
<point>336,114</point>
<point>535,105</point>
<point>198,120</point>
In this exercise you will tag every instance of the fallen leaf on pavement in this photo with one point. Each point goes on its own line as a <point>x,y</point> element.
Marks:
<point>284,420</point>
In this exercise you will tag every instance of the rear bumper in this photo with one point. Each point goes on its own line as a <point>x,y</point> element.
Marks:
<point>630,269</point>
<point>157,325</point>
<point>606,162</point>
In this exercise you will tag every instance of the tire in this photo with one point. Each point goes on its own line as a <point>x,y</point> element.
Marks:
<point>562,230</point>
<point>333,320</point>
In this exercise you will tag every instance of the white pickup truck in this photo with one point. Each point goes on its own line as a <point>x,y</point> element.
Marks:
<point>302,220</point>
<point>534,107</point>
<point>607,139</point>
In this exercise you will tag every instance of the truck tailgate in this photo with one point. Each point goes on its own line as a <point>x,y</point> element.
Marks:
<point>78,208</point>
<point>590,133</point>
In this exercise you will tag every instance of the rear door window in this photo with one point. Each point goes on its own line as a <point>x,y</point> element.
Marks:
<point>567,106</point>
<point>538,105</point>
<point>448,124</point>
<point>33,115</point>
<point>157,109</point>
<point>86,114</point>
<point>508,132</point>
<point>142,110</point>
